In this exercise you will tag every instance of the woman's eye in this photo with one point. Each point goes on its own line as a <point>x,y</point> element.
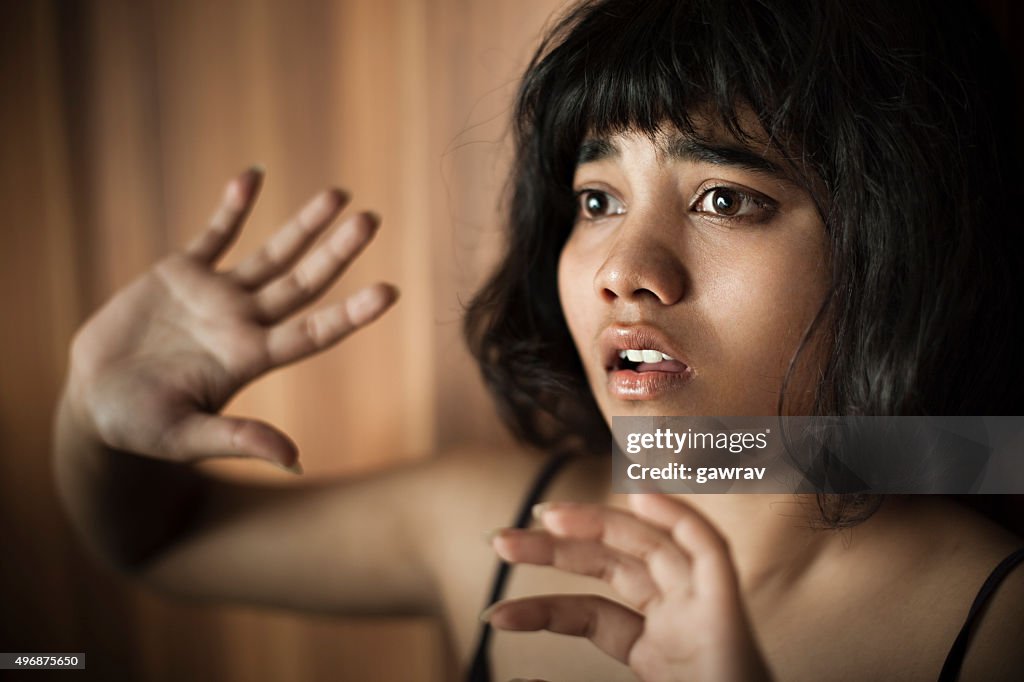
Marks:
<point>595,204</point>
<point>732,203</point>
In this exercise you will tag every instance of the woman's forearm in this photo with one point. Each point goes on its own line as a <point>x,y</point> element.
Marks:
<point>124,507</point>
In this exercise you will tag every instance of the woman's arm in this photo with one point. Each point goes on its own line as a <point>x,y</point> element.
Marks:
<point>333,547</point>
<point>148,377</point>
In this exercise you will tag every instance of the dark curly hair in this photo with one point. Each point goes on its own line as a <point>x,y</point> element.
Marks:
<point>896,117</point>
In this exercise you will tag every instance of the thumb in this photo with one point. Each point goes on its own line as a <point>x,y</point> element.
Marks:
<point>202,436</point>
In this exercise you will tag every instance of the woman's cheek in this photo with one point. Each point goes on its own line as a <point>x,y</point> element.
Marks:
<point>573,286</point>
<point>758,317</point>
<point>774,322</point>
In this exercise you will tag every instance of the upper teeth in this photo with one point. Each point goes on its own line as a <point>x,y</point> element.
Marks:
<point>643,355</point>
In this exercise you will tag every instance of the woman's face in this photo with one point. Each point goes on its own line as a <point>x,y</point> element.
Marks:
<point>700,251</point>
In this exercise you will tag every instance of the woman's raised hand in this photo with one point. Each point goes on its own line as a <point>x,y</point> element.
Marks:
<point>151,370</point>
<point>683,616</point>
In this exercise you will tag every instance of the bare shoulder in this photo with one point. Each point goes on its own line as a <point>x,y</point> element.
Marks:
<point>473,489</point>
<point>966,549</point>
<point>466,494</point>
<point>479,474</point>
<point>901,585</point>
<point>994,650</point>
<point>484,488</point>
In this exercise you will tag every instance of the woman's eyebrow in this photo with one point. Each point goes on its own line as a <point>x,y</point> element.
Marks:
<point>685,148</point>
<point>596,149</point>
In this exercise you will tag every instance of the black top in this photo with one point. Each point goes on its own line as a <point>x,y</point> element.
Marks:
<point>955,657</point>
<point>480,670</point>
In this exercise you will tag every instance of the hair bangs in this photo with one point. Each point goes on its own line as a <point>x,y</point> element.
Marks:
<point>647,66</point>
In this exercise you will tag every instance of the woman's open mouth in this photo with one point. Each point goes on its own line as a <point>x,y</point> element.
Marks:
<point>646,374</point>
<point>648,361</point>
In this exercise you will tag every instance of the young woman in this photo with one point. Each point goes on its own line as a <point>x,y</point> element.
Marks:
<point>803,208</point>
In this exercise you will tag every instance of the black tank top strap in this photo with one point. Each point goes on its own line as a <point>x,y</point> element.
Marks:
<point>955,658</point>
<point>480,670</point>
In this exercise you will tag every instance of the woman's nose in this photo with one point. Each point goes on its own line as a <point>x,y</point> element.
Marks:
<point>636,269</point>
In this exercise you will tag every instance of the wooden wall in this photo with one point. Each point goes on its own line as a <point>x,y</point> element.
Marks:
<point>121,120</point>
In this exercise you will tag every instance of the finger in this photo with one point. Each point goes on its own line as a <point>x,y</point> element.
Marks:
<point>668,565</point>
<point>318,270</point>
<point>308,334</point>
<point>201,436</point>
<point>226,222</point>
<point>612,627</point>
<point>627,575</point>
<point>713,568</point>
<point>291,241</point>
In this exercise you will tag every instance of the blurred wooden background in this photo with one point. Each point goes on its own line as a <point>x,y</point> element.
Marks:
<point>121,121</point>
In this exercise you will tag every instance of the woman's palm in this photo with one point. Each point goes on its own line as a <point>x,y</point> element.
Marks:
<point>162,357</point>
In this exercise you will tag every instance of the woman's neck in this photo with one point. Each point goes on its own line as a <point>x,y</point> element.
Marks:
<point>773,538</point>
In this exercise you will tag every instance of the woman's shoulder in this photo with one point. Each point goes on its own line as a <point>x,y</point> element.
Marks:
<point>452,502</point>
<point>932,557</point>
<point>480,483</point>
<point>995,635</point>
<point>981,559</point>
<point>956,543</point>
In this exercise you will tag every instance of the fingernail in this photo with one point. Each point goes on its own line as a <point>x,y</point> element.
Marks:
<point>364,303</point>
<point>324,203</point>
<point>489,535</point>
<point>539,509</point>
<point>293,468</point>
<point>258,168</point>
<point>485,615</point>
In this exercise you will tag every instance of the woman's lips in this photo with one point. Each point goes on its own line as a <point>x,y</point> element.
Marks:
<point>641,362</point>
<point>650,384</point>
